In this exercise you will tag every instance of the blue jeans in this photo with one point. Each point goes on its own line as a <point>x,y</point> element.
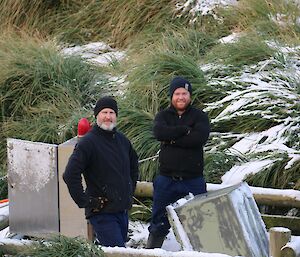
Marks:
<point>110,228</point>
<point>167,191</point>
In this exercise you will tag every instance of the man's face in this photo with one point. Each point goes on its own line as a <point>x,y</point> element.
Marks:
<point>107,119</point>
<point>181,99</point>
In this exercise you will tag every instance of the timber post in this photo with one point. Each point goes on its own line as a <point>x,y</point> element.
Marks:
<point>279,237</point>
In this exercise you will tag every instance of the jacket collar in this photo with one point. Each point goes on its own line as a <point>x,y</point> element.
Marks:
<point>107,133</point>
<point>173,109</point>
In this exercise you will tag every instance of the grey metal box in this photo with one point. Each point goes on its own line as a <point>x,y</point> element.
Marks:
<point>39,201</point>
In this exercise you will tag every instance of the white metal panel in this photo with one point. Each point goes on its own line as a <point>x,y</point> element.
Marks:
<point>32,187</point>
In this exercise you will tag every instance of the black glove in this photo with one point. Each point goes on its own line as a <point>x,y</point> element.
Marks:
<point>97,203</point>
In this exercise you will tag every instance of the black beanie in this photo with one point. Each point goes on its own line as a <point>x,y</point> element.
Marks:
<point>105,102</point>
<point>178,82</point>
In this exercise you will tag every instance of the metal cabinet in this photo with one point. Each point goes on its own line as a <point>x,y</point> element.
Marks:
<point>39,201</point>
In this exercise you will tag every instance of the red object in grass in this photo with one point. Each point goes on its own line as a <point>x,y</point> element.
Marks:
<point>4,201</point>
<point>83,127</point>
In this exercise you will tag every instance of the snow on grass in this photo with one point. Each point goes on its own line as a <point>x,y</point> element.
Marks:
<point>202,7</point>
<point>269,90</point>
<point>97,53</point>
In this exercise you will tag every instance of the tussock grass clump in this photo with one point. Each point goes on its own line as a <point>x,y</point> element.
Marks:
<point>116,21</point>
<point>248,49</point>
<point>63,246</point>
<point>43,94</point>
<point>244,124</point>
<point>3,182</point>
<point>34,17</point>
<point>187,42</point>
<point>277,176</point>
<point>271,18</point>
<point>34,73</point>
<point>141,210</point>
<point>217,163</point>
<point>155,71</point>
<point>137,125</point>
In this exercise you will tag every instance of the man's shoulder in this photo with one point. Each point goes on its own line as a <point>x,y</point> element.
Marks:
<point>164,111</point>
<point>198,113</point>
<point>121,135</point>
<point>85,140</point>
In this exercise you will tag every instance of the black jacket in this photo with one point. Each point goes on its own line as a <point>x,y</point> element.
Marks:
<point>182,140</point>
<point>109,165</point>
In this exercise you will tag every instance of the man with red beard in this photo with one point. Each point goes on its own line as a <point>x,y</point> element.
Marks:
<point>109,165</point>
<point>182,131</point>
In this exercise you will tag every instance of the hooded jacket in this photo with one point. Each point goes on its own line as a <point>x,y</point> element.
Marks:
<point>182,139</point>
<point>109,166</point>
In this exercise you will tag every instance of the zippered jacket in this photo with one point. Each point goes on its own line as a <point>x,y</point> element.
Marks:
<point>182,139</point>
<point>109,165</point>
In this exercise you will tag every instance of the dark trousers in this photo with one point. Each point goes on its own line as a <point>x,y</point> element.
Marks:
<point>168,190</point>
<point>110,228</point>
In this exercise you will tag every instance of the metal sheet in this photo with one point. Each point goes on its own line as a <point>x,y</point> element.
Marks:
<point>224,221</point>
<point>72,219</point>
<point>33,187</point>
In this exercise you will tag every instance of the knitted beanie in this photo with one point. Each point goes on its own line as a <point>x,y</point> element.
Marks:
<point>105,102</point>
<point>178,82</point>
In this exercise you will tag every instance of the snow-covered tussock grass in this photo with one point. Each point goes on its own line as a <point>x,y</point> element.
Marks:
<point>268,91</point>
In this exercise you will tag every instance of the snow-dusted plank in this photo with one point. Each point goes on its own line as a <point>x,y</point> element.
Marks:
<point>130,252</point>
<point>278,197</point>
<point>292,248</point>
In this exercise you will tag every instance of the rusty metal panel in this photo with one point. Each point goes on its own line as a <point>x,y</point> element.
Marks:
<point>32,187</point>
<point>222,221</point>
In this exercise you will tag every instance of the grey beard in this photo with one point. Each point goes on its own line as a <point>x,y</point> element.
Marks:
<point>108,128</point>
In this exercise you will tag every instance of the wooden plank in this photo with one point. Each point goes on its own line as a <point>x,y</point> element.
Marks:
<point>265,196</point>
<point>288,252</point>
<point>291,249</point>
<point>11,247</point>
<point>292,223</point>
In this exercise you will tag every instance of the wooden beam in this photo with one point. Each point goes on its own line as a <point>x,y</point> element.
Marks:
<point>144,189</point>
<point>11,247</point>
<point>265,196</point>
<point>291,249</point>
<point>292,223</point>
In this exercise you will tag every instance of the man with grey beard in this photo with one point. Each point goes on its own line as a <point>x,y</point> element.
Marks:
<point>109,165</point>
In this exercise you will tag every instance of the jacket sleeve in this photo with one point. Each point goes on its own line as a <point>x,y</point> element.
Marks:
<point>163,132</point>
<point>73,175</point>
<point>134,168</point>
<point>198,134</point>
